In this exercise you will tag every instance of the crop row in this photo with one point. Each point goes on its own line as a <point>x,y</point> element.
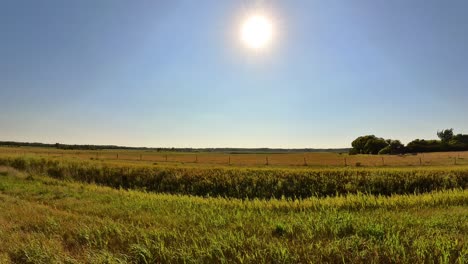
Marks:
<point>248,182</point>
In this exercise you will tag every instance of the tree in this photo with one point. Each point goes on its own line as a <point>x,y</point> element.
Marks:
<point>460,138</point>
<point>421,145</point>
<point>359,143</point>
<point>353,151</point>
<point>373,146</point>
<point>369,144</point>
<point>445,135</point>
<point>393,147</point>
<point>458,142</point>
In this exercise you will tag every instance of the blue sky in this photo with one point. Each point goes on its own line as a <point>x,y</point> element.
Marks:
<point>175,73</point>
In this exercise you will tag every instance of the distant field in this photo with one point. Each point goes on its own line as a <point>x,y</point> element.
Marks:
<point>326,159</point>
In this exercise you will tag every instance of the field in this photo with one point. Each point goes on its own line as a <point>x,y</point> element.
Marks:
<point>325,159</point>
<point>79,208</point>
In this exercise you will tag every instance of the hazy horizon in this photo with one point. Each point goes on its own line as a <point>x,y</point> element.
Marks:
<point>176,74</point>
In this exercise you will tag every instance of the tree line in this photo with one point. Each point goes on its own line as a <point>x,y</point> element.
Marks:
<point>448,141</point>
<point>170,149</point>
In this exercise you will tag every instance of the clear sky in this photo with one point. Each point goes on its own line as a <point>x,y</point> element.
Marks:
<point>175,73</point>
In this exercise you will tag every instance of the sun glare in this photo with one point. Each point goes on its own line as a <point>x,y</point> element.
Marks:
<point>257,31</point>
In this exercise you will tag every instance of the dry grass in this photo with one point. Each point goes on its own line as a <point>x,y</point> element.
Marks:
<point>283,159</point>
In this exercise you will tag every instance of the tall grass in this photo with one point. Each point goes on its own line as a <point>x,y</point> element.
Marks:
<point>249,182</point>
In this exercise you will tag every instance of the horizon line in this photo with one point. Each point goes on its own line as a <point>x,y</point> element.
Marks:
<point>5,142</point>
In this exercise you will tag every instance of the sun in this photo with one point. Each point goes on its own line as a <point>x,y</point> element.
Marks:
<point>257,31</point>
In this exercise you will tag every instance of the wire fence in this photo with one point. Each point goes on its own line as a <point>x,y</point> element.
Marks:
<point>258,159</point>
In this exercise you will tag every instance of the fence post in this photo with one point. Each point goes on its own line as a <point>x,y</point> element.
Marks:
<point>266,158</point>
<point>166,158</point>
<point>229,162</point>
<point>455,161</point>
<point>383,161</point>
<point>345,163</point>
<point>196,158</point>
<point>420,161</point>
<point>305,161</point>
<point>117,155</point>
<point>141,157</point>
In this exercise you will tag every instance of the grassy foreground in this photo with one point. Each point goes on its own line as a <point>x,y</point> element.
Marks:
<point>45,220</point>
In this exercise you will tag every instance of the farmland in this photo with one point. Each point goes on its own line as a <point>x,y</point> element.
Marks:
<point>294,159</point>
<point>61,206</point>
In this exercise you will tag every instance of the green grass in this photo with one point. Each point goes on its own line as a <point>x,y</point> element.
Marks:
<point>249,182</point>
<point>64,211</point>
<point>45,220</point>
